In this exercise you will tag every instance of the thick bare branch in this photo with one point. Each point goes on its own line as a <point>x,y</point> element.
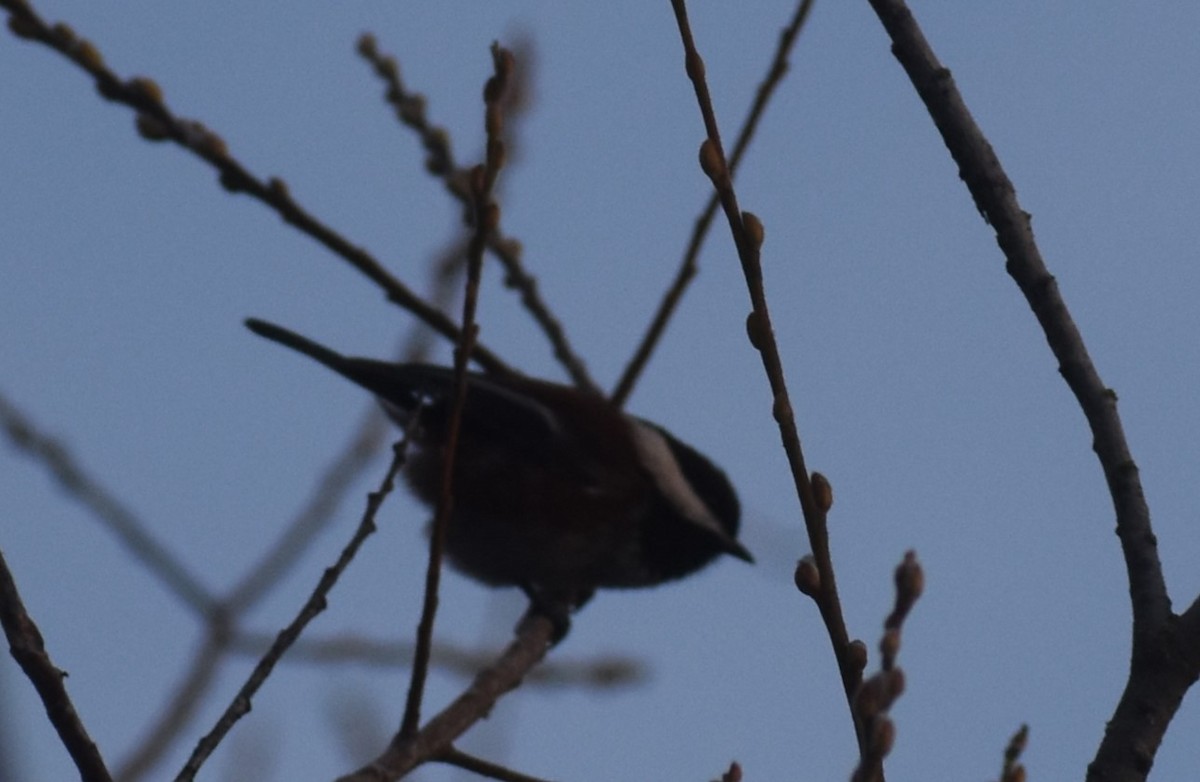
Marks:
<point>534,635</point>
<point>1165,660</point>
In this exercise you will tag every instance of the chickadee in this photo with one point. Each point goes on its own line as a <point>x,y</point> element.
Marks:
<point>555,490</point>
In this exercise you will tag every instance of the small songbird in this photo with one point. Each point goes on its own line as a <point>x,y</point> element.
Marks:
<point>555,489</point>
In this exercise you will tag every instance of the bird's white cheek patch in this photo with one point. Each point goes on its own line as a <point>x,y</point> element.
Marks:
<point>656,456</point>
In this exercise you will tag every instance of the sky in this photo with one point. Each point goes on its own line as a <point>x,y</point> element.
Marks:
<point>922,386</point>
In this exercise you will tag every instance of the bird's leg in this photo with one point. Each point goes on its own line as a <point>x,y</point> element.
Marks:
<point>557,606</point>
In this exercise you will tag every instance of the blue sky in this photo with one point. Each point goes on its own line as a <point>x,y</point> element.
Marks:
<point>922,386</point>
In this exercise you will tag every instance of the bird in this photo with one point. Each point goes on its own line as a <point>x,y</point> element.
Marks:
<point>555,489</point>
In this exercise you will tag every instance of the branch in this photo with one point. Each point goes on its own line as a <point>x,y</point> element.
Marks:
<point>330,489</point>
<point>484,768</point>
<point>748,237</point>
<point>534,635</point>
<point>877,695</point>
<point>29,650</point>
<point>1012,770</point>
<point>1165,658</point>
<point>156,122</point>
<point>315,604</point>
<point>120,520</point>
<point>688,265</point>
<point>601,672</point>
<point>486,218</point>
<point>996,200</point>
<point>410,109</point>
<point>179,709</point>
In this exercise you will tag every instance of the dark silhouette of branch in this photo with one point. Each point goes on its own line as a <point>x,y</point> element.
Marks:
<point>484,768</point>
<point>995,197</point>
<point>733,774</point>
<point>602,672</point>
<point>331,487</point>
<point>1165,659</point>
<point>156,122</point>
<point>219,614</point>
<point>748,236</point>
<point>1013,771</point>
<point>409,107</point>
<point>439,161</point>
<point>486,218</point>
<point>315,604</point>
<point>111,512</point>
<point>688,265</point>
<point>877,694</point>
<point>534,634</point>
<point>179,709</point>
<point>27,648</point>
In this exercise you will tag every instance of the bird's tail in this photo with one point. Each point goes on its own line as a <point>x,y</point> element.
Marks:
<point>331,359</point>
<point>400,387</point>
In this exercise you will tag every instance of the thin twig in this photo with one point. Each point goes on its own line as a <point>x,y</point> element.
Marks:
<point>877,695</point>
<point>487,215</point>
<point>602,672</point>
<point>218,615</point>
<point>222,634</point>
<point>28,649</point>
<point>156,122</point>
<point>410,109</point>
<point>748,236</point>
<point>315,604</point>
<point>688,265</point>
<point>1013,771</point>
<point>179,709</point>
<point>483,768</point>
<point>331,487</point>
<point>110,511</point>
